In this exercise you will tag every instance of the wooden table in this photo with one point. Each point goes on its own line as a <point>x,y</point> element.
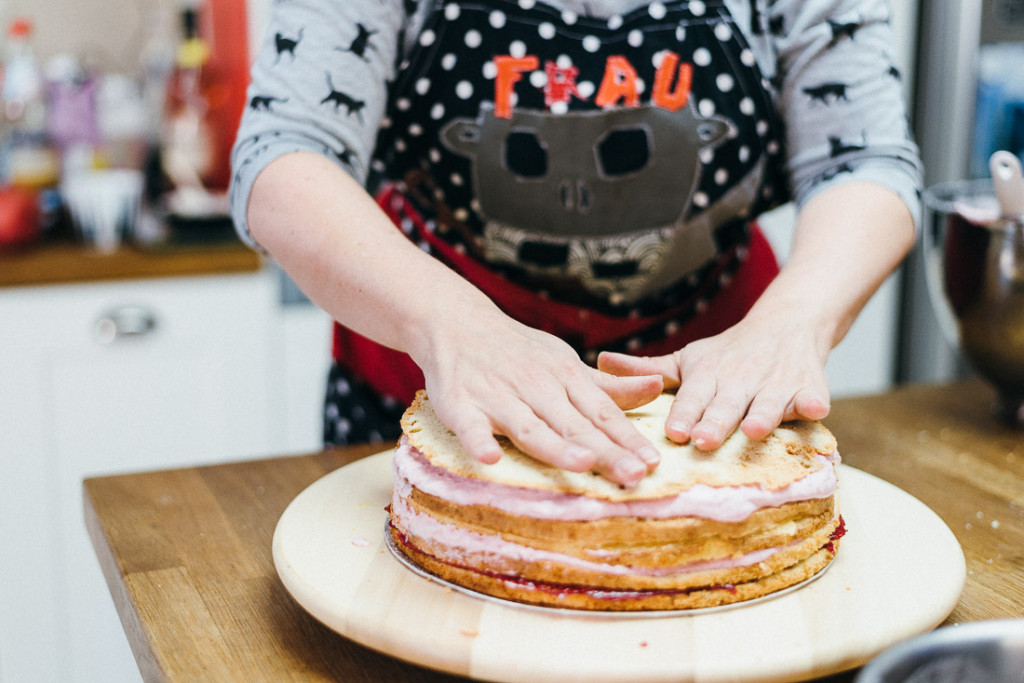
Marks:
<point>187,553</point>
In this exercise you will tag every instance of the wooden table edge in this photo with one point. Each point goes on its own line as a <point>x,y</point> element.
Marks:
<point>124,602</point>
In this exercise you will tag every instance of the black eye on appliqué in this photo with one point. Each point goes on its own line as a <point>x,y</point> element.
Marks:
<point>525,155</point>
<point>623,151</point>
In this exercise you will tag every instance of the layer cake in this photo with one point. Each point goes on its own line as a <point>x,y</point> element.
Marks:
<point>703,529</point>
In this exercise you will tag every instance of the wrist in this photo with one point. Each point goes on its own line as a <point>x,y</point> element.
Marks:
<point>452,316</point>
<point>801,305</point>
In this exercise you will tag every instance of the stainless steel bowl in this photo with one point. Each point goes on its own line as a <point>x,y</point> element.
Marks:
<point>974,263</point>
<point>979,652</point>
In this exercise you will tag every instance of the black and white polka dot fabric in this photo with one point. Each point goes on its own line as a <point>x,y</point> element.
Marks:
<point>609,161</point>
<point>354,413</point>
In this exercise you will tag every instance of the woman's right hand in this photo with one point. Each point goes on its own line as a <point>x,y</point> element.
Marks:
<point>501,377</point>
<point>486,374</point>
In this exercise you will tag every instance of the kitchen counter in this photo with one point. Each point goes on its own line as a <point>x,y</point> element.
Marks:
<point>187,553</point>
<point>66,262</point>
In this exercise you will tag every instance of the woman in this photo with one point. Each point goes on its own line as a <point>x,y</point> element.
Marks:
<point>575,182</point>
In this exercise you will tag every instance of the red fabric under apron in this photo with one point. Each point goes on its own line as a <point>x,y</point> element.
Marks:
<point>392,373</point>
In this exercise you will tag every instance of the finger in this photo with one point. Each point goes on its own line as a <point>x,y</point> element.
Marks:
<point>549,443</point>
<point>476,435</point>
<point>629,392</point>
<point>624,365</point>
<point>688,407</point>
<point>476,432</point>
<point>811,404</point>
<point>766,411</point>
<point>630,445</point>
<point>565,439</point>
<point>574,443</point>
<point>720,419</point>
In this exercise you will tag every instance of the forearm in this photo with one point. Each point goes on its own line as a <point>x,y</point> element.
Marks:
<point>769,367</point>
<point>344,253</point>
<point>486,373</point>
<point>847,241</point>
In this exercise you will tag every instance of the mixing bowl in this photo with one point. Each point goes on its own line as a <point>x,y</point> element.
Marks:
<point>978,652</point>
<point>974,264</point>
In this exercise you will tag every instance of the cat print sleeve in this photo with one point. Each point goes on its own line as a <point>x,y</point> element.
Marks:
<point>319,85</point>
<point>840,95</point>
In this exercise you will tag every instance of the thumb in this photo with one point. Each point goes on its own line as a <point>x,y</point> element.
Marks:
<point>624,365</point>
<point>630,391</point>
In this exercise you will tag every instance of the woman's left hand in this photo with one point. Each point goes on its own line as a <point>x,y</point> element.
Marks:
<point>752,377</point>
<point>770,366</point>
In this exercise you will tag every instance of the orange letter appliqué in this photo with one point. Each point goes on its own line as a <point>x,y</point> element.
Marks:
<point>509,72</point>
<point>619,83</point>
<point>663,95</point>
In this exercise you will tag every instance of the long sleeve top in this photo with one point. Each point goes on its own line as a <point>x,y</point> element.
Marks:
<point>609,152</point>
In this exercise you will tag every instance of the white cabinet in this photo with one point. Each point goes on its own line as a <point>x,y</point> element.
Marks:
<point>105,378</point>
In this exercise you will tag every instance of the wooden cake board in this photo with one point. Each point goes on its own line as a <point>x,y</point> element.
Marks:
<point>898,573</point>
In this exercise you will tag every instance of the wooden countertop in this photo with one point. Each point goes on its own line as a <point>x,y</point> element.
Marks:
<point>187,553</point>
<point>64,262</point>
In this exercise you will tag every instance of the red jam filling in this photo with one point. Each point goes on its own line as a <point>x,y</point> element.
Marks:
<point>836,534</point>
<point>597,593</point>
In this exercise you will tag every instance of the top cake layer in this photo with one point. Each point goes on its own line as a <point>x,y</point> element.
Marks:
<point>792,452</point>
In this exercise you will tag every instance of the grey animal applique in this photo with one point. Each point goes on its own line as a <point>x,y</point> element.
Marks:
<point>264,102</point>
<point>822,93</point>
<point>837,147</point>
<point>340,99</point>
<point>841,29</point>
<point>285,45</point>
<point>361,43</point>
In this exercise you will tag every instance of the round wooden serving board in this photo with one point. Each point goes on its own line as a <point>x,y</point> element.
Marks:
<point>898,573</point>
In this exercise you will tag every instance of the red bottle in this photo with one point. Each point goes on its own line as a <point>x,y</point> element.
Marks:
<point>206,94</point>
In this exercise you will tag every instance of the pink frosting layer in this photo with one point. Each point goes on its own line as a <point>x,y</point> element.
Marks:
<point>724,504</point>
<point>459,544</point>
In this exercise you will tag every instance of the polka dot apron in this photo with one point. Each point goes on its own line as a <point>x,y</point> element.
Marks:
<point>595,177</point>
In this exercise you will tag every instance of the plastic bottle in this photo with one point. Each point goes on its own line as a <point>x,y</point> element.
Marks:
<point>28,159</point>
<point>23,80</point>
<point>187,141</point>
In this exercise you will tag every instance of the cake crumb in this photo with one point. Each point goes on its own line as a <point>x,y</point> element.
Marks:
<point>643,643</point>
<point>469,632</point>
<point>360,542</point>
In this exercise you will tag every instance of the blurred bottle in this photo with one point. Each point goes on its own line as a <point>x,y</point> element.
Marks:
<point>187,140</point>
<point>156,64</point>
<point>123,121</point>
<point>71,112</point>
<point>28,158</point>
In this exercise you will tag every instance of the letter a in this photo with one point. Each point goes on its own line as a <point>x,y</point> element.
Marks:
<point>619,83</point>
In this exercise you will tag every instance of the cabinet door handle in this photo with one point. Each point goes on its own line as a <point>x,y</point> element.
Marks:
<point>124,322</point>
